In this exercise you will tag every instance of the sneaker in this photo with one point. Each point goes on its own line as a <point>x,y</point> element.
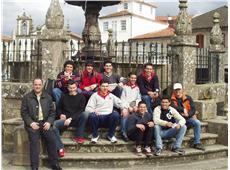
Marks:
<point>94,140</point>
<point>148,151</point>
<point>79,140</point>
<point>179,151</point>
<point>112,139</point>
<point>124,137</point>
<point>138,150</point>
<point>61,153</point>
<point>199,146</point>
<point>157,152</point>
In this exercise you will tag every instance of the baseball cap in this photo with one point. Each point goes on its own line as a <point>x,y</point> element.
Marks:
<point>177,86</point>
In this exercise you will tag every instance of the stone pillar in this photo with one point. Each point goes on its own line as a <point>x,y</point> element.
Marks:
<point>53,39</point>
<point>216,47</point>
<point>183,49</point>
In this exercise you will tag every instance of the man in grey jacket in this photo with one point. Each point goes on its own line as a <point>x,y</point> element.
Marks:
<point>38,115</point>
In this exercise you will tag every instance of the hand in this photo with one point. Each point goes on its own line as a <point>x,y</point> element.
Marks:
<point>194,116</point>
<point>93,86</point>
<point>150,93</point>
<point>124,113</point>
<point>130,109</point>
<point>67,121</point>
<point>177,126</point>
<point>150,124</point>
<point>185,114</point>
<point>34,125</point>
<point>63,117</point>
<point>135,108</point>
<point>155,95</point>
<point>141,127</point>
<point>169,124</point>
<point>87,88</point>
<point>121,84</point>
<point>46,126</point>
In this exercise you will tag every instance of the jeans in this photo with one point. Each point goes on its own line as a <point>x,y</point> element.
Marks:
<point>160,134</point>
<point>123,125</point>
<point>109,121</point>
<point>57,94</point>
<point>141,136</point>
<point>79,125</point>
<point>148,100</point>
<point>34,136</point>
<point>197,128</point>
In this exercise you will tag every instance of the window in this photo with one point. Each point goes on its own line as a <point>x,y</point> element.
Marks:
<point>123,25</point>
<point>140,7</point>
<point>24,28</point>
<point>200,40</point>
<point>114,27</point>
<point>151,10</point>
<point>125,5</point>
<point>105,26</point>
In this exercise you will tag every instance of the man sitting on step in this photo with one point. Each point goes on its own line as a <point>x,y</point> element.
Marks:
<point>168,123</point>
<point>100,106</point>
<point>185,106</point>
<point>140,128</point>
<point>70,113</point>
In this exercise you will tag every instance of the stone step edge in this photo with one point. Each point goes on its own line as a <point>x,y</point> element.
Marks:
<point>132,155</point>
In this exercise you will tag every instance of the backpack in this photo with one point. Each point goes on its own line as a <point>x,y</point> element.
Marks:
<point>49,86</point>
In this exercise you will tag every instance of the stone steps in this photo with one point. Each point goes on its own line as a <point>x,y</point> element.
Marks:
<point>105,146</point>
<point>129,159</point>
<point>69,133</point>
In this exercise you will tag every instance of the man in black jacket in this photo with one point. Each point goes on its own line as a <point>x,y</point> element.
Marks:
<point>140,128</point>
<point>38,115</point>
<point>70,113</point>
<point>149,85</point>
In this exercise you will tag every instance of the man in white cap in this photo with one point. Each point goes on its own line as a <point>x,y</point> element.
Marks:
<point>185,106</point>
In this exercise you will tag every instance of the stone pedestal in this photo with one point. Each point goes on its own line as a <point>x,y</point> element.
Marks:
<point>206,109</point>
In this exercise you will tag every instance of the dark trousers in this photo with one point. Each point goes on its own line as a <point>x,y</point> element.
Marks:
<point>49,138</point>
<point>141,136</point>
<point>108,121</point>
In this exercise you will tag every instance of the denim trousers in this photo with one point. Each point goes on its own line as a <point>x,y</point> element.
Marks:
<point>109,121</point>
<point>195,123</point>
<point>160,134</point>
<point>148,100</point>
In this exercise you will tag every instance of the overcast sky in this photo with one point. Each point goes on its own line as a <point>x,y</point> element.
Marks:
<point>75,16</point>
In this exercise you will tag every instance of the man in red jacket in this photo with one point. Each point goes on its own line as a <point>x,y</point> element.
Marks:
<point>90,80</point>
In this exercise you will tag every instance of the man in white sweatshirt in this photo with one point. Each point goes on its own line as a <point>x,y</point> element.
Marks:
<point>100,106</point>
<point>168,123</point>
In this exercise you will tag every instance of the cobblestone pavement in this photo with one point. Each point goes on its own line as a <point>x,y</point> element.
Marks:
<point>213,164</point>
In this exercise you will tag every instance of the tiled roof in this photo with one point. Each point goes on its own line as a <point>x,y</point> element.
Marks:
<point>168,32</point>
<point>75,35</point>
<point>165,18</point>
<point>6,38</point>
<point>206,20</point>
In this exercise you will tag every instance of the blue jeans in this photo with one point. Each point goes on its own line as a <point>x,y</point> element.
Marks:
<point>195,123</point>
<point>148,100</point>
<point>108,121</point>
<point>79,124</point>
<point>57,94</point>
<point>160,134</point>
<point>123,125</point>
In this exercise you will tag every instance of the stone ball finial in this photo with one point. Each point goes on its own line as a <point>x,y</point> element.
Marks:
<point>216,17</point>
<point>183,4</point>
<point>216,37</point>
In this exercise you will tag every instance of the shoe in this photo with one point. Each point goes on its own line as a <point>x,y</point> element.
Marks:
<point>179,151</point>
<point>124,137</point>
<point>94,140</point>
<point>56,167</point>
<point>157,152</point>
<point>79,140</point>
<point>32,168</point>
<point>199,146</point>
<point>138,150</point>
<point>112,139</point>
<point>148,151</point>
<point>61,153</point>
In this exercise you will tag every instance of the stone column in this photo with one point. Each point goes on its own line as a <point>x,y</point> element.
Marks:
<point>183,49</point>
<point>53,39</point>
<point>216,47</point>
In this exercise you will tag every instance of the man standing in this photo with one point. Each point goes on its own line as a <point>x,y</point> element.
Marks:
<point>38,115</point>
<point>115,80</point>
<point>168,123</point>
<point>100,106</point>
<point>185,106</point>
<point>70,113</point>
<point>62,79</point>
<point>149,85</point>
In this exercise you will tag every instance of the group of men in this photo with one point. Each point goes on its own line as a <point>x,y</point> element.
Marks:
<point>105,100</point>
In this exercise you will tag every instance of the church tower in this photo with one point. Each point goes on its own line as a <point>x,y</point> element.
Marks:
<point>24,25</point>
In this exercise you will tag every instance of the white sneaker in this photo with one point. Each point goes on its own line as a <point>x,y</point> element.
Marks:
<point>112,139</point>
<point>94,140</point>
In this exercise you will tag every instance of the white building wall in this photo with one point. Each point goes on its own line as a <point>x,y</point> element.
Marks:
<point>146,10</point>
<point>140,26</point>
